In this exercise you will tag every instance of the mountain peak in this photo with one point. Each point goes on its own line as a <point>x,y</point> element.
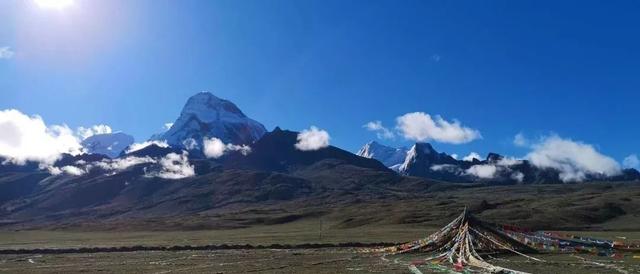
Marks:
<point>494,157</point>
<point>370,146</point>
<point>205,116</point>
<point>421,157</point>
<point>109,144</point>
<point>388,156</point>
<point>208,107</point>
<point>424,148</point>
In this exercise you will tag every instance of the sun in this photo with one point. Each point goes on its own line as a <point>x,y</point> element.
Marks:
<point>54,4</point>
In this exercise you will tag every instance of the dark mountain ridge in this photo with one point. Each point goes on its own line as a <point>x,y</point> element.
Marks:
<point>275,176</point>
<point>276,151</point>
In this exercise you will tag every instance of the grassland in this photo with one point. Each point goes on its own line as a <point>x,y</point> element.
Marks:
<point>328,260</point>
<point>596,210</point>
<point>325,260</point>
<point>291,233</point>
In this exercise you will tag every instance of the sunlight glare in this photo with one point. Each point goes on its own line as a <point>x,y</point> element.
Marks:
<point>54,4</point>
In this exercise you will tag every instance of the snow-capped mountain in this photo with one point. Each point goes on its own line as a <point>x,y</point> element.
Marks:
<point>421,157</point>
<point>389,156</point>
<point>109,144</point>
<point>424,161</point>
<point>205,115</point>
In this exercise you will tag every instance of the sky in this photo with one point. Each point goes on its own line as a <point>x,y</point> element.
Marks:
<point>500,68</point>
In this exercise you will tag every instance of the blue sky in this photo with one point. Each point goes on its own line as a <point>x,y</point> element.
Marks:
<point>500,67</point>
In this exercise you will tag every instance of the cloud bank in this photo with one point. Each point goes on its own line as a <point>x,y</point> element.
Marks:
<point>215,148</point>
<point>175,166</point>
<point>139,146</point>
<point>312,139</point>
<point>172,166</point>
<point>482,171</point>
<point>575,160</point>
<point>420,127</point>
<point>122,163</point>
<point>27,138</point>
<point>71,170</point>
<point>85,133</point>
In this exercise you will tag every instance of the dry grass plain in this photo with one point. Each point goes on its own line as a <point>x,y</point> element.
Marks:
<point>326,260</point>
<point>322,260</point>
<point>608,211</point>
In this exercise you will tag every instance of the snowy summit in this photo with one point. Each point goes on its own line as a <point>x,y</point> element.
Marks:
<point>206,116</point>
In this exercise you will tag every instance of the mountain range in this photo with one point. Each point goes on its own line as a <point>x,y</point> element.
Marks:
<point>174,179</point>
<point>422,160</point>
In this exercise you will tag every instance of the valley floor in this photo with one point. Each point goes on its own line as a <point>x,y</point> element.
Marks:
<point>327,260</point>
<point>321,260</point>
<point>293,233</point>
<point>608,211</point>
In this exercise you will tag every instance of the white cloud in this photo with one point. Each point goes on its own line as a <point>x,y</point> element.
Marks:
<point>381,131</point>
<point>175,166</point>
<point>509,161</point>
<point>215,148</point>
<point>631,161</point>
<point>122,163</point>
<point>520,140</point>
<point>168,126</point>
<point>419,126</point>
<point>312,139</point>
<point>244,149</point>
<point>171,166</point>
<point>471,156</point>
<point>446,167</point>
<point>52,170</point>
<point>482,171</point>
<point>440,167</point>
<point>24,138</point>
<point>574,160</point>
<point>518,176</point>
<point>71,170</point>
<point>190,144</point>
<point>139,146</point>
<point>6,53</point>
<point>85,133</point>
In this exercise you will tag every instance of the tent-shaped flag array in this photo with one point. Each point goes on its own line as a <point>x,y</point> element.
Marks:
<point>459,245</point>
